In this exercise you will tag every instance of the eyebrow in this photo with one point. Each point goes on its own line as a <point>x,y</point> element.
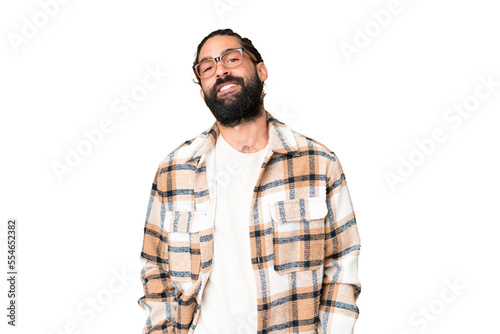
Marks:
<point>223,51</point>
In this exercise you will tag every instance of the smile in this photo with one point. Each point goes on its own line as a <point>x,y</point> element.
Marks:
<point>226,87</point>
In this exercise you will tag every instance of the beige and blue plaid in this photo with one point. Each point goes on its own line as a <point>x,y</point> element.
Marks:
<point>302,229</point>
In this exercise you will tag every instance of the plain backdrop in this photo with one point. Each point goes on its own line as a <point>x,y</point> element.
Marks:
<point>429,241</point>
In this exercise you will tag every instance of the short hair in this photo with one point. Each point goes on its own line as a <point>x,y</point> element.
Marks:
<point>245,43</point>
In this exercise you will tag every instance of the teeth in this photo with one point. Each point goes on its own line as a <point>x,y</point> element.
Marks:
<point>226,87</point>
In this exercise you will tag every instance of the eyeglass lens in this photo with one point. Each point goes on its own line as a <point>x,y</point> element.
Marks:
<point>229,59</point>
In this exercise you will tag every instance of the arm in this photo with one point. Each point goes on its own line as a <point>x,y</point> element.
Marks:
<point>338,311</point>
<point>159,300</point>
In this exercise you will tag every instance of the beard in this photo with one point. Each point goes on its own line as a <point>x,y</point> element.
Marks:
<point>239,107</point>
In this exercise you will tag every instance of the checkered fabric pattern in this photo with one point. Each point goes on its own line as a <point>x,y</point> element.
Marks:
<point>302,229</point>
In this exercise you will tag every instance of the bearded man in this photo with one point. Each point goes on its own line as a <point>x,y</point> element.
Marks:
<point>250,226</point>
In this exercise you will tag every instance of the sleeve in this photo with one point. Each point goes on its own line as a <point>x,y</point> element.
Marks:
<point>159,300</point>
<point>340,289</point>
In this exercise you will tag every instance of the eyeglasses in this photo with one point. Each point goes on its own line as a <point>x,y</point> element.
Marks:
<point>230,59</point>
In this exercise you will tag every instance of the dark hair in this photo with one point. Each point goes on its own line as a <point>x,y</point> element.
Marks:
<point>245,43</point>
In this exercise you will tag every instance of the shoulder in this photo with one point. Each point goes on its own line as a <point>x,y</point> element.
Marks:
<point>178,157</point>
<point>181,151</point>
<point>309,145</point>
<point>328,161</point>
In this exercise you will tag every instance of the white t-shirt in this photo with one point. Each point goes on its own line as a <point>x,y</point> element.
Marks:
<point>229,302</point>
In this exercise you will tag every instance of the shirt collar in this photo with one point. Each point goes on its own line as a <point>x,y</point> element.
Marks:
<point>281,139</point>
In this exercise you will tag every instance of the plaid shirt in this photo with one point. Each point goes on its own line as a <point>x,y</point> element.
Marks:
<point>302,229</point>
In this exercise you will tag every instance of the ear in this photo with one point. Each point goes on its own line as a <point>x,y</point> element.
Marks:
<point>262,71</point>
<point>202,94</point>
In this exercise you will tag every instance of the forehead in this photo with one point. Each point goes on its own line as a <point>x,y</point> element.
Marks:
<point>214,46</point>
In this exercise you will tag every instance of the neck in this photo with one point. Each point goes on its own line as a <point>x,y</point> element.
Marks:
<point>247,137</point>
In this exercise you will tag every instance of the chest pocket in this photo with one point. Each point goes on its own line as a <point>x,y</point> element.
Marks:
<point>184,251</point>
<point>298,234</point>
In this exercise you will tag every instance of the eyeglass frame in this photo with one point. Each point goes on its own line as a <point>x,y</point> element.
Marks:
<point>218,59</point>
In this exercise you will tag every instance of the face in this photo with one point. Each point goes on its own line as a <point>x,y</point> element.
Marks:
<point>233,95</point>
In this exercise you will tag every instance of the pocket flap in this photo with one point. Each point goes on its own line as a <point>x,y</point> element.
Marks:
<point>301,209</point>
<point>188,221</point>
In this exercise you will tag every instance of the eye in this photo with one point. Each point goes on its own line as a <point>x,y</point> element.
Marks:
<point>231,58</point>
<point>206,69</point>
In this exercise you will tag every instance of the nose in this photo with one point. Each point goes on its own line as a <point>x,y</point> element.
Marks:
<point>220,69</point>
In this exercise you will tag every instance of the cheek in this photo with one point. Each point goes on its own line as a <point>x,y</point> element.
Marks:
<point>207,88</point>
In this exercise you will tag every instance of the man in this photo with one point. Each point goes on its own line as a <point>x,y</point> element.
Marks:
<point>249,227</point>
